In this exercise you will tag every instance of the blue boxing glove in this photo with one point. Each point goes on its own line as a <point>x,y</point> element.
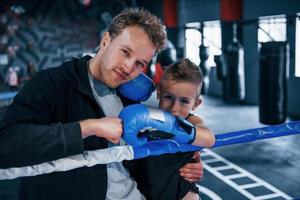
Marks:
<point>138,89</point>
<point>139,117</point>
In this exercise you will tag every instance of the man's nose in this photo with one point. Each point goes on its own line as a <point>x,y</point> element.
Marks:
<point>128,66</point>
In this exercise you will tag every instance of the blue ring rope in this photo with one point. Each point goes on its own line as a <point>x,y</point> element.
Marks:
<point>290,128</point>
<point>159,147</point>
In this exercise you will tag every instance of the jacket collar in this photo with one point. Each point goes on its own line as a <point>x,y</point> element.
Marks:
<point>82,78</point>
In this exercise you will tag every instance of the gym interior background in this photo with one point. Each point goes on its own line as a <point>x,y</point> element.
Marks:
<point>249,51</point>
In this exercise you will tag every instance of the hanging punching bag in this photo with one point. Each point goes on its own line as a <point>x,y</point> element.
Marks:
<point>221,67</point>
<point>168,55</point>
<point>273,82</point>
<point>164,58</point>
<point>204,54</point>
<point>222,72</point>
<point>235,79</point>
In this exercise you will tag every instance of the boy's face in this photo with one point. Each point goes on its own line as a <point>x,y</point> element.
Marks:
<point>178,98</point>
<point>123,58</point>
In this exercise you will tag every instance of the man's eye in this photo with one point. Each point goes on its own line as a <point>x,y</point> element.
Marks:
<point>126,53</point>
<point>140,64</point>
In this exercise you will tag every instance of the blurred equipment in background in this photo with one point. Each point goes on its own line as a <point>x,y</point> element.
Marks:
<point>221,71</point>
<point>12,78</point>
<point>164,58</point>
<point>231,12</point>
<point>167,55</point>
<point>204,54</point>
<point>273,82</point>
<point>233,73</point>
<point>86,3</point>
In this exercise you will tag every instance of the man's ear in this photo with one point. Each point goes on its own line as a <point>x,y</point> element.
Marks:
<point>105,40</point>
<point>197,103</point>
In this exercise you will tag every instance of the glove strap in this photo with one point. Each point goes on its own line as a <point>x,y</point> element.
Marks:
<point>188,127</point>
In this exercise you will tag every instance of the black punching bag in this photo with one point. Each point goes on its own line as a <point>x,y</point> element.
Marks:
<point>236,76</point>
<point>222,73</point>
<point>204,54</point>
<point>234,90</point>
<point>221,67</point>
<point>168,55</point>
<point>273,82</point>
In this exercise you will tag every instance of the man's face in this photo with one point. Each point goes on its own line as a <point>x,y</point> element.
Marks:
<point>123,57</point>
<point>178,98</point>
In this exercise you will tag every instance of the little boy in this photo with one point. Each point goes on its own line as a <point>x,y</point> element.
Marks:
<point>179,94</point>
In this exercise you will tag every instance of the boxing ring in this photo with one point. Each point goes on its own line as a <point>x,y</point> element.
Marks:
<point>151,148</point>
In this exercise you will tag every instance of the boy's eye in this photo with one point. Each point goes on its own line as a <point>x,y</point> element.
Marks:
<point>168,97</point>
<point>184,101</point>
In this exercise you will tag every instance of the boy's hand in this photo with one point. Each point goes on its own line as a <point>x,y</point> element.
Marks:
<point>193,172</point>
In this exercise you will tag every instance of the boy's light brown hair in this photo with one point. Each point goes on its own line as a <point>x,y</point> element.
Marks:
<point>184,71</point>
<point>143,19</point>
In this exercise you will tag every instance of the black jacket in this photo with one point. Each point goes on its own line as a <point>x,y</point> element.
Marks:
<point>42,125</point>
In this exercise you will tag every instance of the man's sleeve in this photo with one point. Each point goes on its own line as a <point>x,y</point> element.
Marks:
<point>27,135</point>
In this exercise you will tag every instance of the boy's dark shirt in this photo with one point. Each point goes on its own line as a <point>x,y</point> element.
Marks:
<point>158,177</point>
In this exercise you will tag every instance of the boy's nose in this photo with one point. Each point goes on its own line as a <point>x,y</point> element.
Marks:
<point>175,108</point>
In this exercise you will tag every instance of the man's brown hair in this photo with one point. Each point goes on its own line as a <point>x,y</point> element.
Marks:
<point>143,19</point>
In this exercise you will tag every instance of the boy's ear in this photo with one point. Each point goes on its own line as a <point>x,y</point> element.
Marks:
<point>197,103</point>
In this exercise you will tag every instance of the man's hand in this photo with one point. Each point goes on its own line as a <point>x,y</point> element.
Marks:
<point>109,128</point>
<point>193,171</point>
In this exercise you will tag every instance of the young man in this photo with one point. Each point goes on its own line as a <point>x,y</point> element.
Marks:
<point>179,94</point>
<point>65,110</point>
